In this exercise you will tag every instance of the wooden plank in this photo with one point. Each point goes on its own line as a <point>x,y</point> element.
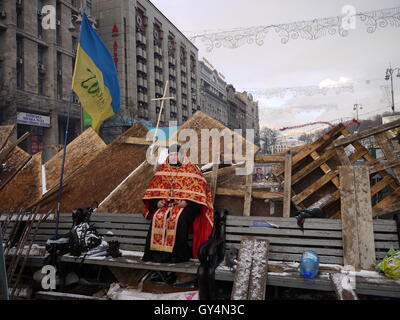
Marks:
<point>241,283</point>
<point>248,195</point>
<point>343,286</point>
<point>394,207</point>
<point>240,192</point>
<point>268,158</point>
<point>127,196</point>
<point>365,228</point>
<point>383,165</point>
<point>25,187</point>
<point>284,232</point>
<point>291,241</point>
<point>351,250</point>
<point>393,197</point>
<point>214,180</point>
<point>201,121</point>
<point>10,146</point>
<point>365,134</point>
<point>314,187</point>
<point>385,182</point>
<point>259,271</point>
<point>322,142</point>
<point>344,160</point>
<point>15,161</point>
<point>5,134</point>
<point>368,157</point>
<point>96,180</point>
<point>80,152</point>
<point>318,161</point>
<point>387,149</point>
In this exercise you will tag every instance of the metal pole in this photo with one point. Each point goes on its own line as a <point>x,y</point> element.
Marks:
<point>391,80</point>
<point>3,273</point>
<point>59,197</point>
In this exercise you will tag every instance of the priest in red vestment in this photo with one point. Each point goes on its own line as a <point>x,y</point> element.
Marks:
<point>178,201</point>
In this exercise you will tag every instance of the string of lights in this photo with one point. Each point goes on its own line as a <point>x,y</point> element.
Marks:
<point>307,30</point>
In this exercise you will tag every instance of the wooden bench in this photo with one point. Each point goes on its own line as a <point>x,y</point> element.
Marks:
<point>324,236</point>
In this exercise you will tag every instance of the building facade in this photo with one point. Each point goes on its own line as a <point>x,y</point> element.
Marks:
<point>252,114</point>
<point>285,143</point>
<point>148,51</point>
<point>36,67</point>
<point>213,94</point>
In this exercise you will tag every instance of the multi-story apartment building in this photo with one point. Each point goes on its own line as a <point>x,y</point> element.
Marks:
<point>252,116</point>
<point>149,51</point>
<point>213,94</point>
<point>36,67</point>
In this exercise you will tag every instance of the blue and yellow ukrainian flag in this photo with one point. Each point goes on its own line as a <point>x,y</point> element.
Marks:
<point>95,78</point>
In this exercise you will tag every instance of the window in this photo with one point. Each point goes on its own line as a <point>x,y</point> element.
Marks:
<point>41,83</point>
<point>58,22</point>
<point>20,18</point>
<point>59,76</point>
<point>41,55</point>
<point>20,63</point>
<point>89,7</point>
<point>74,44</point>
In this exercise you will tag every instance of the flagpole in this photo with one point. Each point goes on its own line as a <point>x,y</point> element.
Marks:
<point>60,190</point>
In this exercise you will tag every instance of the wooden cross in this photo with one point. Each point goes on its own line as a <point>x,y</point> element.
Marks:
<point>162,107</point>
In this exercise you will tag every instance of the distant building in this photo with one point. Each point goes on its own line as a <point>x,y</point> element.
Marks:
<point>36,67</point>
<point>252,116</point>
<point>283,143</point>
<point>213,95</point>
<point>236,109</point>
<point>148,50</point>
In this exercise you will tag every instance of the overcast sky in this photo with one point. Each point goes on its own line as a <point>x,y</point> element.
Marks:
<point>361,57</point>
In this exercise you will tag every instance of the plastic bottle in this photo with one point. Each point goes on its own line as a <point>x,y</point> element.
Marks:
<point>309,265</point>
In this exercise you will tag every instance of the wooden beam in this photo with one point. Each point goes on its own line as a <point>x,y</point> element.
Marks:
<point>322,142</point>
<point>344,160</point>
<point>343,287</point>
<point>351,250</point>
<point>387,149</point>
<point>268,158</point>
<point>318,162</point>
<point>4,153</point>
<point>394,207</point>
<point>365,134</point>
<point>287,186</point>
<point>234,191</point>
<point>379,166</point>
<point>365,228</point>
<point>314,187</point>
<point>385,182</point>
<point>214,180</point>
<point>259,270</point>
<point>393,197</point>
<point>248,195</point>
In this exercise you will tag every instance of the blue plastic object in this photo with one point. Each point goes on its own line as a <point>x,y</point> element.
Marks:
<point>309,265</point>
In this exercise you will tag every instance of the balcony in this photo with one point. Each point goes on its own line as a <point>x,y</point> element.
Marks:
<point>183,68</point>
<point>140,52</point>
<point>172,60</point>
<point>158,51</point>
<point>158,63</point>
<point>141,38</point>
<point>142,82</point>
<point>159,76</point>
<point>142,68</point>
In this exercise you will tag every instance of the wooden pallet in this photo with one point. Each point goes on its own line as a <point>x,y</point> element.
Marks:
<point>315,176</point>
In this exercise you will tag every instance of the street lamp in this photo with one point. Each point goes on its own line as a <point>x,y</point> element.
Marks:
<point>389,76</point>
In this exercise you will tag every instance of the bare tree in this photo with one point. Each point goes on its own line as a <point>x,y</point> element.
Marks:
<point>268,138</point>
